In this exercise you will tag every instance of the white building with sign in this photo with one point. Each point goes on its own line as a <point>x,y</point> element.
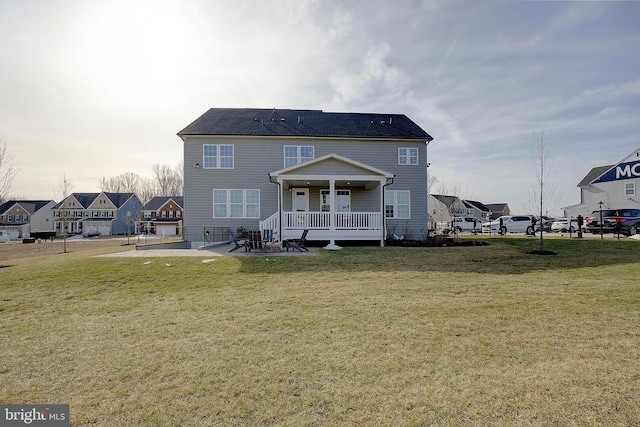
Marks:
<point>616,186</point>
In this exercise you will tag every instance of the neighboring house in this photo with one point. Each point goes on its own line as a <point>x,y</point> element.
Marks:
<point>475,209</point>
<point>163,216</point>
<point>102,213</point>
<point>444,208</point>
<point>20,217</point>
<point>498,209</point>
<point>616,186</point>
<point>342,176</point>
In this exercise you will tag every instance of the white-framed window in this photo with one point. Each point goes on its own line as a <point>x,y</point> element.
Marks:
<point>147,214</point>
<point>343,201</point>
<point>236,203</point>
<point>217,156</point>
<point>407,156</point>
<point>397,204</point>
<point>629,189</point>
<point>294,154</point>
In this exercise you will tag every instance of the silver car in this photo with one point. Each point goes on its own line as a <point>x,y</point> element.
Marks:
<point>565,224</point>
<point>509,224</point>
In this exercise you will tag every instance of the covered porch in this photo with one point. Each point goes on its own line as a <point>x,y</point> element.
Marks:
<point>335,198</point>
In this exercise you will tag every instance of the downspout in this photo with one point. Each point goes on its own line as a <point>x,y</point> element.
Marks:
<point>279,205</point>
<point>384,216</point>
<point>426,171</point>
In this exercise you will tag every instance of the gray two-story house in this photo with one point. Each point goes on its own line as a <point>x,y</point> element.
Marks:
<point>341,176</point>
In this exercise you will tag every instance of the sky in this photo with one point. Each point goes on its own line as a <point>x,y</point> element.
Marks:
<point>92,89</point>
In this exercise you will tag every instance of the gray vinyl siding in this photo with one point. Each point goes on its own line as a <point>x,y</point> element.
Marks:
<point>255,158</point>
<point>611,194</point>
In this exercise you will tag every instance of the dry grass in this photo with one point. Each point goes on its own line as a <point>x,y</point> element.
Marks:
<point>365,336</point>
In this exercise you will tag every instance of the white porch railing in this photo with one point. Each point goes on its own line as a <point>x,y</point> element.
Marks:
<point>353,224</point>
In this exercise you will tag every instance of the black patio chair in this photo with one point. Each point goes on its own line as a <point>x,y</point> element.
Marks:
<point>255,242</point>
<point>298,243</point>
<point>239,243</point>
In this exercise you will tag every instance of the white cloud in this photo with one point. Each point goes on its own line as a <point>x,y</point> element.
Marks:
<point>118,79</point>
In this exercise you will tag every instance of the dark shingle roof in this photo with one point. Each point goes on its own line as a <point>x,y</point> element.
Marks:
<point>85,199</point>
<point>118,199</point>
<point>594,174</point>
<point>447,200</point>
<point>497,207</point>
<point>31,206</point>
<point>157,202</point>
<point>476,204</point>
<point>303,123</point>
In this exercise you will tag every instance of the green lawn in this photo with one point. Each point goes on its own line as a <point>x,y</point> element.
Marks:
<point>364,336</point>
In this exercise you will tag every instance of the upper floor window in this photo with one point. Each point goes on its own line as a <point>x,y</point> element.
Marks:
<point>294,154</point>
<point>147,214</point>
<point>407,156</point>
<point>629,189</point>
<point>217,156</point>
<point>397,204</point>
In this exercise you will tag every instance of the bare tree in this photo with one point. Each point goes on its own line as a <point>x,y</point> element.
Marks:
<point>130,182</point>
<point>543,197</point>
<point>168,180</point>
<point>147,190</point>
<point>127,182</point>
<point>432,180</point>
<point>63,191</point>
<point>7,171</point>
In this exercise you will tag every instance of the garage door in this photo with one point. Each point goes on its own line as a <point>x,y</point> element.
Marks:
<point>104,230</point>
<point>90,228</point>
<point>166,231</point>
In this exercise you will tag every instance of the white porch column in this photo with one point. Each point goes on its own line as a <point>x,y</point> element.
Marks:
<point>332,215</point>
<point>383,218</point>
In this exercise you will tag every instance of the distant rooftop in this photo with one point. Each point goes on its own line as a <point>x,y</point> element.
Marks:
<point>594,174</point>
<point>303,123</point>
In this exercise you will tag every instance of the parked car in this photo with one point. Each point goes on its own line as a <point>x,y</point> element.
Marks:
<point>460,224</point>
<point>620,221</point>
<point>545,223</point>
<point>562,225</point>
<point>509,224</point>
